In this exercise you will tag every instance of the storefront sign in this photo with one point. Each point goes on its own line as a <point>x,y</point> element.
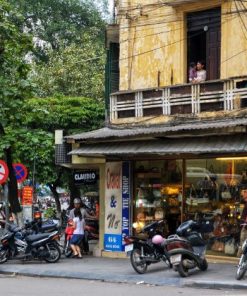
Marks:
<point>113,242</point>
<point>125,201</point>
<point>113,207</point>
<point>86,177</point>
<point>27,195</point>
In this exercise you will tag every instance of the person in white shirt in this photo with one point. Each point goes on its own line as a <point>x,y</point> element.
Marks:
<point>78,234</point>
<point>201,73</point>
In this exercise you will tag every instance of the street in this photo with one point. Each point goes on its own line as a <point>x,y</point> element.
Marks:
<point>27,286</point>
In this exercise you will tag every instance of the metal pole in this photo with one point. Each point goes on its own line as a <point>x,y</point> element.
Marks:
<point>183,189</point>
<point>6,191</point>
<point>34,194</point>
<point>34,168</point>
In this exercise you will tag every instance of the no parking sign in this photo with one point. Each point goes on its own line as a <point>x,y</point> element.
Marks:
<point>4,172</point>
<point>20,172</point>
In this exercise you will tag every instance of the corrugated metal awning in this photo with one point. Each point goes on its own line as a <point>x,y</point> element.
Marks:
<point>108,133</point>
<point>196,146</point>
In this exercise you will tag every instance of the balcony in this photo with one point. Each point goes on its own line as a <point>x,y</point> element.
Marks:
<point>190,99</point>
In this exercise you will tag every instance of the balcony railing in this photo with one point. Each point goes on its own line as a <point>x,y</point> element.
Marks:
<point>219,95</point>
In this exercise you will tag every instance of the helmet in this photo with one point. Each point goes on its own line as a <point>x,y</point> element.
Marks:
<point>77,201</point>
<point>157,239</point>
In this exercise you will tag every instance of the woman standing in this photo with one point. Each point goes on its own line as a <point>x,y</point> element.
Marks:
<point>78,234</point>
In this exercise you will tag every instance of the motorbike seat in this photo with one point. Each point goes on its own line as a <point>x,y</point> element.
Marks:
<point>47,227</point>
<point>36,237</point>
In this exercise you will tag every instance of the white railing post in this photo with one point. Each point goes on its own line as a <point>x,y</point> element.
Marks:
<point>195,98</point>
<point>166,101</point>
<point>228,95</point>
<point>138,104</point>
<point>113,108</point>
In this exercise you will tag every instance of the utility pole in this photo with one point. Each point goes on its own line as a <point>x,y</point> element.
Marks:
<point>6,199</point>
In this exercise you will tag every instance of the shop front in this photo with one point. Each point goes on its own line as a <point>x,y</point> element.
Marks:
<point>168,178</point>
<point>177,190</point>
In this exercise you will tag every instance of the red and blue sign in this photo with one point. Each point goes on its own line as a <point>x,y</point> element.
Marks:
<point>20,172</point>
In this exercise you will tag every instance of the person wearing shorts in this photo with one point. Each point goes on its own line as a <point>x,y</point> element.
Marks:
<point>78,234</point>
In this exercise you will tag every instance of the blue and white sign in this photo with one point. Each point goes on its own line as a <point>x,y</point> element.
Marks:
<point>113,207</point>
<point>117,205</point>
<point>113,242</point>
<point>125,201</point>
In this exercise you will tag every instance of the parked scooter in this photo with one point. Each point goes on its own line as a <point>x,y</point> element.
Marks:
<point>68,235</point>
<point>187,247</point>
<point>146,251</point>
<point>242,265</point>
<point>17,243</point>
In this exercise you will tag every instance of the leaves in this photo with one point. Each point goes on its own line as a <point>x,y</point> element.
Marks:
<point>77,70</point>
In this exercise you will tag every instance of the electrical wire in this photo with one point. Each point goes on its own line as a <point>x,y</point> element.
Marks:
<point>166,45</point>
<point>165,21</point>
<point>170,44</point>
<point>169,31</point>
<point>242,24</point>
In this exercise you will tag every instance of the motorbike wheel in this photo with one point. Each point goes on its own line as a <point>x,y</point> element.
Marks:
<point>3,256</point>
<point>242,267</point>
<point>139,265</point>
<point>54,252</point>
<point>204,265</point>
<point>67,250</point>
<point>183,272</point>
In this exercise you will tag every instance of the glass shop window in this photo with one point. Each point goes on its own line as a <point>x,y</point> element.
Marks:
<point>214,191</point>
<point>158,193</point>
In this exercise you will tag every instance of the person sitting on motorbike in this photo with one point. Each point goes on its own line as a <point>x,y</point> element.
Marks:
<point>78,205</point>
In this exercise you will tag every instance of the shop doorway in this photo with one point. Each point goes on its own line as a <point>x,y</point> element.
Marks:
<point>204,40</point>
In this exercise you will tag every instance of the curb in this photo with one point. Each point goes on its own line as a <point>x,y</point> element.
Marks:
<point>123,279</point>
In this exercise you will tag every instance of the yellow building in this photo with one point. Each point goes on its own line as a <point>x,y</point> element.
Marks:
<point>177,147</point>
<point>158,39</point>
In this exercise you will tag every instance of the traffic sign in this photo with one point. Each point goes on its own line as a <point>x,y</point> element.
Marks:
<point>20,172</point>
<point>4,172</point>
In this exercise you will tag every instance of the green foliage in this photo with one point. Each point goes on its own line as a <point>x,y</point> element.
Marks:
<point>59,23</point>
<point>77,70</point>
<point>14,85</point>
<point>50,213</point>
<point>34,142</point>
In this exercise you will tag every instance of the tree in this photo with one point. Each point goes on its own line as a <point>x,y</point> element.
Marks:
<point>77,70</point>
<point>58,23</point>
<point>35,140</point>
<point>14,86</point>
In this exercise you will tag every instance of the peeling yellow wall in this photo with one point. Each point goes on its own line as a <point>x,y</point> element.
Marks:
<point>153,42</point>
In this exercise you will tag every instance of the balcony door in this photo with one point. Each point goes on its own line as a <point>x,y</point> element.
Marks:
<point>204,40</point>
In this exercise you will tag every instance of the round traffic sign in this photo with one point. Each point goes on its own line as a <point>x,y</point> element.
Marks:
<point>4,172</point>
<point>20,172</point>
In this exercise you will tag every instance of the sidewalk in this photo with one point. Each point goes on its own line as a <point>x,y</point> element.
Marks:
<point>218,276</point>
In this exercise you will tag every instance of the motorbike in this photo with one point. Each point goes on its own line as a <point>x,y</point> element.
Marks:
<point>148,250</point>
<point>42,226</point>
<point>187,247</point>
<point>21,244</point>
<point>242,265</point>
<point>68,235</point>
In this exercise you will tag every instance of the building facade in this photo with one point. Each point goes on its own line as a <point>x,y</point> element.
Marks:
<point>171,149</point>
